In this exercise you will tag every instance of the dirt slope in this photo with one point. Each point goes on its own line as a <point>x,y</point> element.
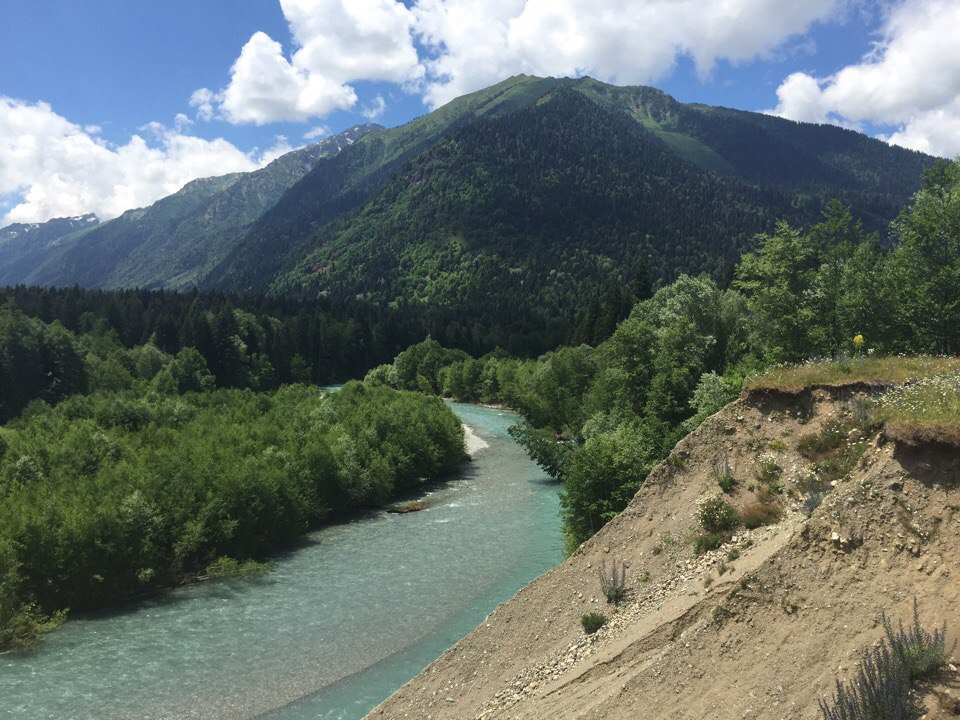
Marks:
<point>793,610</point>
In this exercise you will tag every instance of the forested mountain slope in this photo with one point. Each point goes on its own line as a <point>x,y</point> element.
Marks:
<point>530,204</point>
<point>550,188</point>
<point>24,246</point>
<point>175,241</point>
<point>545,188</point>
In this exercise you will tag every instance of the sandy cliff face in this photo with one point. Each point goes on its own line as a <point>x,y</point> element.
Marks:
<point>759,628</point>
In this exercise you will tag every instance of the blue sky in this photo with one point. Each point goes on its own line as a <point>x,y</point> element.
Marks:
<point>80,83</point>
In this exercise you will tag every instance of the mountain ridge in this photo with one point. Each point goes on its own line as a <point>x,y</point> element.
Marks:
<point>284,233</point>
<point>172,242</point>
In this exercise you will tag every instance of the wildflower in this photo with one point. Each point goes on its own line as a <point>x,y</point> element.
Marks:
<point>858,341</point>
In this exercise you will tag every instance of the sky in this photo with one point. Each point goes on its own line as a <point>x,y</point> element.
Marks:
<point>108,105</point>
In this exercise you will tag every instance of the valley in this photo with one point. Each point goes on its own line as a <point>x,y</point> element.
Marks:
<point>565,399</point>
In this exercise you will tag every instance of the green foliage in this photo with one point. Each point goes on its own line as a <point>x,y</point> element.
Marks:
<point>923,653</point>
<point>591,622</point>
<point>113,494</point>
<point>227,567</point>
<point>37,361</point>
<point>706,541</point>
<point>602,476</point>
<point>829,438</point>
<point>716,515</point>
<point>723,474</point>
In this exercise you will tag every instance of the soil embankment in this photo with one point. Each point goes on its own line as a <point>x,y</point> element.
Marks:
<point>759,628</point>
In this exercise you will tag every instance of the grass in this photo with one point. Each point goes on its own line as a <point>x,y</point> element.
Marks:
<point>835,451</point>
<point>591,622</point>
<point>927,410</point>
<point>831,437</point>
<point>759,514</point>
<point>864,370</point>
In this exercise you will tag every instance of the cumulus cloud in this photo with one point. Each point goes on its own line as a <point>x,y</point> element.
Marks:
<point>317,133</point>
<point>337,41</point>
<point>375,109</point>
<point>910,80</point>
<point>474,43</point>
<point>51,167</point>
<point>469,44</point>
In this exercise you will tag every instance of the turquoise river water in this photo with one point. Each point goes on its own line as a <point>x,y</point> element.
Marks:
<point>343,620</point>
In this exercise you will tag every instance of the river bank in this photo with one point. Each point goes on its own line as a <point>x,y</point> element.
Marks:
<point>341,622</point>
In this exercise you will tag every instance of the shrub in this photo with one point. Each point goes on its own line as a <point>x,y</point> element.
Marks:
<point>720,615</point>
<point>759,514</point>
<point>716,515</point>
<point>811,503</point>
<point>614,584</point>
<point>883,686</point>
<point>705,542</point>
<point>922,653</point>
<point>724,475</point>
<point>227,567</point>
<point>769,471</point>
<point>592,622</point>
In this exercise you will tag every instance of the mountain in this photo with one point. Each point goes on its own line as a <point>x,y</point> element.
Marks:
<point>175,241</point>
<point>24,246</point>
<point>548,190</point>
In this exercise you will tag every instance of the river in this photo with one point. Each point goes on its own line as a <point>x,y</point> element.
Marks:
<point>340,623</point>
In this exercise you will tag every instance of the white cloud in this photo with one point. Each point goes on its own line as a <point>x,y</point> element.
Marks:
<point>469,44</point>
<point>51,167</point>
<point>338,42</point>
<point>477,42</point>
<point>264,87</point>
<point>910,80</point>
<point>203,100</point>
<point>375,109</point>
<point>317,133</point>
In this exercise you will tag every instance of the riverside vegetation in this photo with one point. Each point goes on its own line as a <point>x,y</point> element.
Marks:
<point>600,417</point>
<point>128,470</point>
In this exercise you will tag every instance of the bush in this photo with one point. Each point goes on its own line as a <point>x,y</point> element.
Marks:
<point>592,622</point>
<point>759,514</point>
<point>716,515</point>
<point>883,686</point>
<point>922,653</point>
<point>227,567</point>
<point>705,542</point>
<point>614,584</point>
<point>724,475</point>
<point>817,445</point>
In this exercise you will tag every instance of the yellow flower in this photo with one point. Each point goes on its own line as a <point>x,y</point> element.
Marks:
<point>857,341</point>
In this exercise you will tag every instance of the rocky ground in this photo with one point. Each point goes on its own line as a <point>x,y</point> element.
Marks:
<point>759,628</point>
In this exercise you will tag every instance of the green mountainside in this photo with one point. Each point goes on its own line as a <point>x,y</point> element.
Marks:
<point>24,246</point>
<point>175,241</point>
<point>532,194</point>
